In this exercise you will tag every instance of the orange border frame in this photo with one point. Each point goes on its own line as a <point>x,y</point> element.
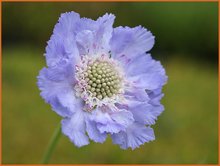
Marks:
<point>110,1</point>
<point>1,85</point>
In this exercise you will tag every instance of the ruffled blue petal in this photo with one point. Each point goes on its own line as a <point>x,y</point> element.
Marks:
<point>75,128</point>
<point>104,32</point>
<point>73,36</point>
<point>93,131</point>
<point>105,123</point>
<point>109,127</point>
<point>85,42</point>
<point>134,136</point>
<point>145,113</point>
<point>62,44</point>
<point>59,48</point>
<point>148,81</point>
<point>144,72</point>
<point>94,36</point>
<point>112,122</point>
<point>56,85</point>
<point>67,24</point>
<point>127,43</point>
<point>124,118</point>
<point>155,96</point>
<point>138,94</point>
<point>59,108</point>
<point>141,64</point>
<point>86,24</point>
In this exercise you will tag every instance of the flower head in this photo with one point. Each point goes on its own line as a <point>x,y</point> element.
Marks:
<point>101,81</point>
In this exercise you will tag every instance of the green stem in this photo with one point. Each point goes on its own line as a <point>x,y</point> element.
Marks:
<point>51,145</point>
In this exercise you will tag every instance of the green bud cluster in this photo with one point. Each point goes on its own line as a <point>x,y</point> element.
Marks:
<point>102,80</point>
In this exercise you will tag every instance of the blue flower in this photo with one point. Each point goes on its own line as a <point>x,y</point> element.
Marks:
<point>101,81</point>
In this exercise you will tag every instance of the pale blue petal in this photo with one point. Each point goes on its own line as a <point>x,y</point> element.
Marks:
<point>112,122</point>
<point>149,74</point>
<point>59,48</point>
<point>124,118</point>
<point>106,124</point>
<point>86,24</point>
<point>94,36</point>
<point>137,93</point>
<point>62,43</point>
<point>120,139</point>
<point>93,131</point>
<point>85,42</point>
<point>104,32</point>
<point>50,88</point>
<point>109,127</point>
<point>141,64</point>
<point>59,108</point>
<point>65,103</point>
<point>144,112</point>
<point>155,96</point>
<point>67,24</point>
<point>138,135</point>
<point>134,136</point>
<point>68,100</point>
<point>148,81</point>
<point>127,43</point>
<point>75,129</point>
<point>56,85</point>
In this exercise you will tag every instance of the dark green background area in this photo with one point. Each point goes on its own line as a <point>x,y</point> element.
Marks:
<point>187,46</point>
<point>189,28</point>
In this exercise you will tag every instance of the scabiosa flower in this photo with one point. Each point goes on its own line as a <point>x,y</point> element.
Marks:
<point>101,81</point>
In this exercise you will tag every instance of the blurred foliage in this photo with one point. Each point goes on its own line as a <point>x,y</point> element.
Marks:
<point>188,28</point>
<point>186,43</point>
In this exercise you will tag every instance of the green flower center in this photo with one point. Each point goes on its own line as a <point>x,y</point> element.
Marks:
<point>102,79</point>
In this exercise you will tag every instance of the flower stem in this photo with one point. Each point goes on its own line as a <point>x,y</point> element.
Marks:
<point>51,145</point>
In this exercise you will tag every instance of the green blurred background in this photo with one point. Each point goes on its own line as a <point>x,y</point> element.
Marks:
<point>187,46</point>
